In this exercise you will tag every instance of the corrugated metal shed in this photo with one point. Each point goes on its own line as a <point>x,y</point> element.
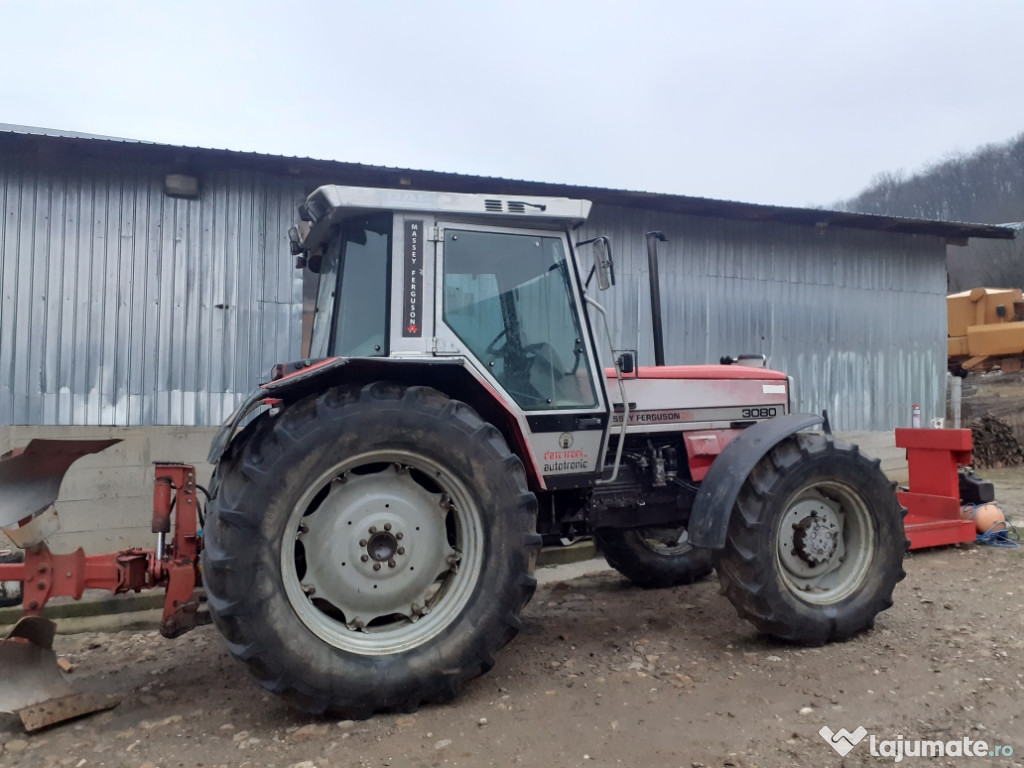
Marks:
<point>124,306</point>
<point>858,318</point>
<point>329,171</point>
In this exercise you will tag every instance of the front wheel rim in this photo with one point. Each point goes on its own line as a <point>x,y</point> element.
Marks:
<point>382,552</point>
<point>665,541</point>
<point>825,543</point>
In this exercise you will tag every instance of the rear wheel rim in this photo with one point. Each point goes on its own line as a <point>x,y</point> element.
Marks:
<point>382,552</point>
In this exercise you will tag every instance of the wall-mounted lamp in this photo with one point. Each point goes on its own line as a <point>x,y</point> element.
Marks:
<point>180,185</point>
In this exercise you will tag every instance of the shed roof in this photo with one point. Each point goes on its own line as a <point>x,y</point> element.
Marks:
<point>27,138</point>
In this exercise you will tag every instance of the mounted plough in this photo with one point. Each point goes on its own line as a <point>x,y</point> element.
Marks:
<point>31,683</point>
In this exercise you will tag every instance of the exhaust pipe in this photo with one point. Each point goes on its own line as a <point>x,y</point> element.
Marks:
<point>654,280</point>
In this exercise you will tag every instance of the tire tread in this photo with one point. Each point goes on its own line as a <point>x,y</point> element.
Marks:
<point>247,474</point>
<point>746,566</point>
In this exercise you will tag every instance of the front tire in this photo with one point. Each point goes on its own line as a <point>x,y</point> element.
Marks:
<point>369,550</point>
<point>815,542</point>
<point>654,558</point>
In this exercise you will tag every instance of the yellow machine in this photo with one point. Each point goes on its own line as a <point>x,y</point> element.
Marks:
<point>986,329</point>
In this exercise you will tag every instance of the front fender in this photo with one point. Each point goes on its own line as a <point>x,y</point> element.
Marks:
<point>709,519</point>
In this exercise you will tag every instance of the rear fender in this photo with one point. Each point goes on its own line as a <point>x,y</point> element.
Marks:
<point>709,520</point>
<point>446,374</point>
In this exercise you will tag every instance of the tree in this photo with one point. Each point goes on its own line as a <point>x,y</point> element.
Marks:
<point>985,186</point>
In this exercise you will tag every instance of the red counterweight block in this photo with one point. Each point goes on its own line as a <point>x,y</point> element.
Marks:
<point>934,457</point>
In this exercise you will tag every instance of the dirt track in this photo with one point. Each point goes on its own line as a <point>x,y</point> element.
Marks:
<point>602,675</point>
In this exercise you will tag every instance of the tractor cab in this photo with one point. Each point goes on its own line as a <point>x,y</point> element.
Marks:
<point>488,283</point>
<point>506,295</point>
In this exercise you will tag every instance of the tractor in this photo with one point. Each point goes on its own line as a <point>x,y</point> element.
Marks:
<point>377,506</point>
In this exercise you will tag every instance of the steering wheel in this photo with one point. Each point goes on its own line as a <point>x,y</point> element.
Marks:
<point>528,350</point>
<point>492,348</point>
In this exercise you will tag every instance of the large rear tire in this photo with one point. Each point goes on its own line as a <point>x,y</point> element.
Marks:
<point>370,549</point>
<point>815,542</point>
<point>654,557</point>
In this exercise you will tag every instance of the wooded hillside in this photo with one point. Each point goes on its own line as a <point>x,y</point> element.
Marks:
<point>985,186</point>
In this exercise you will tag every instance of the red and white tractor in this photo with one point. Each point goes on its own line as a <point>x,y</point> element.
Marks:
<point>377,506</point>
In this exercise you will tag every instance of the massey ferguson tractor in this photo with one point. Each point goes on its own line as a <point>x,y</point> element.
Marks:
<point>376,508</point>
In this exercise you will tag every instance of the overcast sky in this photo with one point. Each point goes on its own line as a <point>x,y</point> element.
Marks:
<point>783,101</point>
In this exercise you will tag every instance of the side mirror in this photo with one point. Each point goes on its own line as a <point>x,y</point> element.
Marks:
<point>296,235</point>
<point>603,265</point>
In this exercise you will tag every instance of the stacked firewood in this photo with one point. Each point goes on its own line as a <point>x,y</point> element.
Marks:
<point>995,444</point>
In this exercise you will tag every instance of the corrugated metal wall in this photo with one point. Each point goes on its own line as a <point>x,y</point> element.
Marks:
<point>122,306</point>
<point>858,318</point>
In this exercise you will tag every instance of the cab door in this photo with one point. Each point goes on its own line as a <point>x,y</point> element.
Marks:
<point>509,300</point>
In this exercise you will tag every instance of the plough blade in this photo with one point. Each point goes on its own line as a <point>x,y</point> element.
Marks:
<point>32,686</point>
<point>31,477</point>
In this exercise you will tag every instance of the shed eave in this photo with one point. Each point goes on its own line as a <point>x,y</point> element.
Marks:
<point>361,174</point>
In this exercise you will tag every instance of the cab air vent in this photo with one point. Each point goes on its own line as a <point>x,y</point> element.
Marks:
<point>494,206</point>
<point>514,207</point>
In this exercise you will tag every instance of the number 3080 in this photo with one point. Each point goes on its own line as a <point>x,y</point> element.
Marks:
<point>759,413</point>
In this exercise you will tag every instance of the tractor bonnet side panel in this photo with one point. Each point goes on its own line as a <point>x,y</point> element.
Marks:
<point>687,403</point>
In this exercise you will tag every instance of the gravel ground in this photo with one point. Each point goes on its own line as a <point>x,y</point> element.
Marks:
<point>603,674</point>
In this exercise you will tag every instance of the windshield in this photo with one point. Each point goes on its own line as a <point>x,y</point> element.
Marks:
<point>508,298</point>
<point>351,313</point>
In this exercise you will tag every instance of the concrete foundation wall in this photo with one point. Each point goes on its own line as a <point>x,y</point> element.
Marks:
<point>106,499</point>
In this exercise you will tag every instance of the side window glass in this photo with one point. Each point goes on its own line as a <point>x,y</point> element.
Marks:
<point>361,306</point>
<point>325,279</point>
<point>508,298</point>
